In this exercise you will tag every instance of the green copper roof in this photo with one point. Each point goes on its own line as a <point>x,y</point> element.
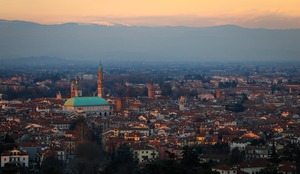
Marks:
<point>85,101</point>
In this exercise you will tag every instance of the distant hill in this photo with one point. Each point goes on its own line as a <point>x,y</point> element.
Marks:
<point>35,60</point>
<point>91,42</point>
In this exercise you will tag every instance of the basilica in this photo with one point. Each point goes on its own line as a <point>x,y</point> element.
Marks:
<point>95,104</point>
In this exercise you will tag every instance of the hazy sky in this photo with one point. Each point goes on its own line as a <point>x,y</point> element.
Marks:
<point>246,13</point>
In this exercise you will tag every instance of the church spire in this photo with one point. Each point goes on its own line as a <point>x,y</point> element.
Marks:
<point>100,65</point>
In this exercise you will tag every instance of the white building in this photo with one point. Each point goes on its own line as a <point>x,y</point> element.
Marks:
<point>241,145</point>
<point>16,157</point>
<point>224,169</point>
<point>144,153</point>
<point>254,166</point>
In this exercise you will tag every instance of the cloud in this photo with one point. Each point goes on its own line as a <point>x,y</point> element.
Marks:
<point>269,20</point>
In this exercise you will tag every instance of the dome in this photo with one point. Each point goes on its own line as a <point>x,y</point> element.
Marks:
<point>85,101</point>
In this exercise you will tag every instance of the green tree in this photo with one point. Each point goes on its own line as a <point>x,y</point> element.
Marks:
<point>51,165</point>
<point>77,122</point>
<point>189,157</point>
<point>269,170</point>
<point>123,162</point>
<point>166,167</point>
<point>8,143</point>
<point>274,154</point>
<point>87,160</point>
<point>236,156</point>
<point>83,133</point>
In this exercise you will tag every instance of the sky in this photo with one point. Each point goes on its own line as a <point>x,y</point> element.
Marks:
<point>273,14</point>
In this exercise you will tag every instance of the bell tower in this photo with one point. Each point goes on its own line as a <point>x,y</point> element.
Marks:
<point>182,102</point>
<point>75,91</point>
<point>100,81</point>
<point>72,89</point>
<point>151,90</point>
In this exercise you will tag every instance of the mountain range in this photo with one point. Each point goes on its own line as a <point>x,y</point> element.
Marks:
<point>79,41</point>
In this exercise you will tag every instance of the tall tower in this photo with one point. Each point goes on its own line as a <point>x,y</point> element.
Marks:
<point>75,92</point>
<point>151,90</point>
<point>100,81</point>
<point>72,89</point>
<point>218,94</point>
<point>120,105</point>
<point>76,88</point>
<point>182,102</point>
<point>201,128</point>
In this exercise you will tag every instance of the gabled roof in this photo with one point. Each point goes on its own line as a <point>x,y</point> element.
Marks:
<point>223,167</point>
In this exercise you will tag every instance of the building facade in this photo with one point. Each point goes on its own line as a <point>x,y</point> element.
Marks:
<point>15,157</point>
